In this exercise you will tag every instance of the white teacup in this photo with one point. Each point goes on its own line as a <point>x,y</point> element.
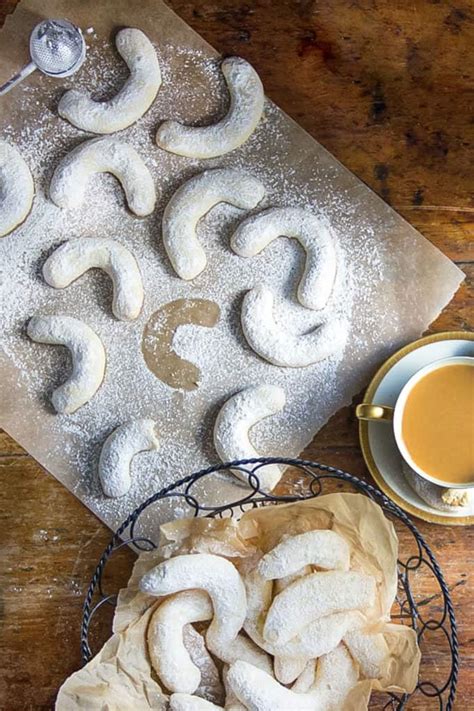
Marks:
<point>394,415</point>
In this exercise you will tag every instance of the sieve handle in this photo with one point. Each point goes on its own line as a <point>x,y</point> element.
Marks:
<point>17,78</point>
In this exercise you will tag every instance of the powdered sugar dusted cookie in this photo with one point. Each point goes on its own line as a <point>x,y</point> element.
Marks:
<point>221,580</point>
<point>69,261</point>
<point>236,417</point>
<point>277,345</point>
<point>218,577</point>
<point>314,596</point>
<point>168,654</point>
<point>259,691</point>
<point>16,188</point>
<point>103,155</point>
<point>321,636</point>
<point>314,235</point>
<point>118,451</point>
<point>88,358</point>
<point>246,108</point>
<point>191,202</point>
<point>336,675</point>
<point>323,548</point>
<point>133,99</point>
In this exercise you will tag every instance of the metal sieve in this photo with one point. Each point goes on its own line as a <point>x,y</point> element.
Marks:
<point>57,48</point>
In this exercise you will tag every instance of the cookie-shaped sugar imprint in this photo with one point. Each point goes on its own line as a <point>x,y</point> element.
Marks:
<point>73,258</point>
<point>133,99</point>
<point>237,416</point>
<point>246,108</point>
<point>168,654</point>
<point>103,155</point>
<point>158,335</point>
<point>314,235</point>
<point>16,188</point>
<point>279,346</point>
<point>118,451</point>
<point>191,202</point>
<point>87,353</point>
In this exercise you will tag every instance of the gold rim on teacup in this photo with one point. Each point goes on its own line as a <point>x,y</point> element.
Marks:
<point>373,412</point>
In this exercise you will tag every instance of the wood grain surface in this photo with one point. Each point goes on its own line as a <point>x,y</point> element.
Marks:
<point>388,88</point>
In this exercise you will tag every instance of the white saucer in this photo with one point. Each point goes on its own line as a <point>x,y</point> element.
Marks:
<point>377,441</point>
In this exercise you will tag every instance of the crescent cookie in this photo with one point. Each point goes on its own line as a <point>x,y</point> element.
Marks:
<point>259,691</point>
<point>320,636</point>
<point>73,258</point>
<point>314,596</point>
<point>288,667</point>
<point>336,675</point>
<point>191,202</point>
<point>259,598</point>
<point>16,189</point>
<point>246,108</point>
<point>237,416</point>
<point>87,353</point>
<point>168,654</point>
<point>322,548</point>
<point>279,346</point>
<point>103,155</point>
<point>218,577</point>
<point>118,451</point>
<point>221,580</point>
<point>314,235</point>
<point>134,98</point>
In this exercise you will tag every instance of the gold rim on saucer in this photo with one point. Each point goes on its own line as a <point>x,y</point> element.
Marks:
<point>364,430</point>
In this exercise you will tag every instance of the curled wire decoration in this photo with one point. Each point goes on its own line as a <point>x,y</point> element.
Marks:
<point>411,605</point>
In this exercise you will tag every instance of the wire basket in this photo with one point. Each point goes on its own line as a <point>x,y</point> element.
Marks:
<point>430,613</point>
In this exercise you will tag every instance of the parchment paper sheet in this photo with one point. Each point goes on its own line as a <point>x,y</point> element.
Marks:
<point>395,284</point>
<point>121,670</point>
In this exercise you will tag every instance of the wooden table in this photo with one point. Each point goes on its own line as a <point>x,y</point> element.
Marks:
<point>385,87</point>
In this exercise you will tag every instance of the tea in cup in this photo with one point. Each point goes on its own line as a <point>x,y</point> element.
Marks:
<point>433,421</point>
